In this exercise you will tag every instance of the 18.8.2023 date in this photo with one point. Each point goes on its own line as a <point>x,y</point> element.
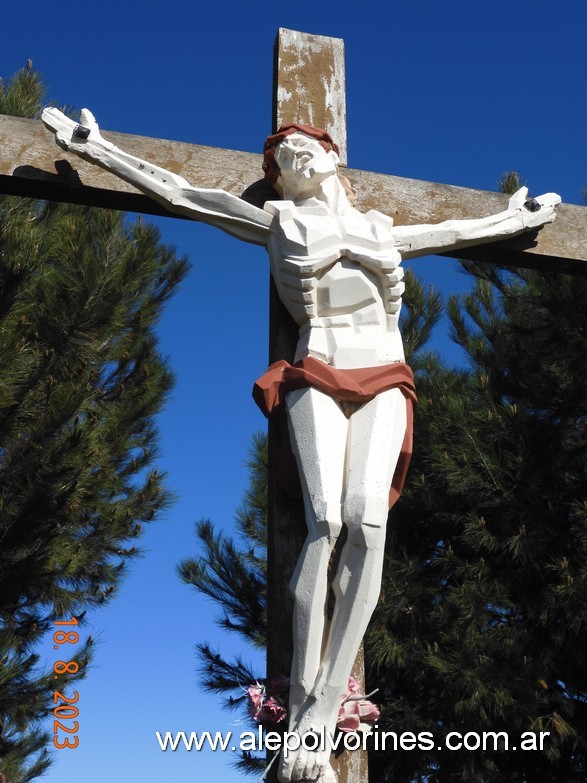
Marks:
<point>65,709</point>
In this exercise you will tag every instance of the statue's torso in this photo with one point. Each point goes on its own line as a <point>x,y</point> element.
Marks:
<point>328,275</point>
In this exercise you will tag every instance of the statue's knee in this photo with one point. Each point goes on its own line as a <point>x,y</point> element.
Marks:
<point>330,527</point>
<point>366,517</point>
<point>367,536</point>
<point>328,521</point>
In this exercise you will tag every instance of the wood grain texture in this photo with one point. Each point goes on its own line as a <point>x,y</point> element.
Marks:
<point>31,164</point>
<point>310,84</point>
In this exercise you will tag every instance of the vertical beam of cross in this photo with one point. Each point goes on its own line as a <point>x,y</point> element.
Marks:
<point>310,84</point>
<point>309,88</point>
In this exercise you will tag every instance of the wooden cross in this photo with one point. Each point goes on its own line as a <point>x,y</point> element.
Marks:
<point>308,88</point>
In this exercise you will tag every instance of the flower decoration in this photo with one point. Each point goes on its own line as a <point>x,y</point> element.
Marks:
<point>356,712</point>
<point>266,708</point>
<point>273,711</point>
<point>256,694</point>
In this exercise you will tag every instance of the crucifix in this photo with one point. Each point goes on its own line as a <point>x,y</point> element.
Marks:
<point>337,275</point>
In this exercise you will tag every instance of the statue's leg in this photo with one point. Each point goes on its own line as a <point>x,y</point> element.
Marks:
<point>375,439</point>
<point>318,432</point>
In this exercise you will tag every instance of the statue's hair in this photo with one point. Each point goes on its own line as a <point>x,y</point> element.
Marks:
<point>271,168</point>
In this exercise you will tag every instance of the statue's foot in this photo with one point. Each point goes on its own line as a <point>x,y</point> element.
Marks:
<point>306,765</point>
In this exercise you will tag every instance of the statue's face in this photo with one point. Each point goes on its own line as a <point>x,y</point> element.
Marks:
<point>303,163</point>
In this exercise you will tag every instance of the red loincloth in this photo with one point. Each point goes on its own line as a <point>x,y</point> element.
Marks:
<point>357,385</point>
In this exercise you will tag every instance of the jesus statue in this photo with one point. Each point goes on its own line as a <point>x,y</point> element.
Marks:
<point>348,396</point>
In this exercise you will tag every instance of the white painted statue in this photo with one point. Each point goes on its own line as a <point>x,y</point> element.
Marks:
<point>337,272</point>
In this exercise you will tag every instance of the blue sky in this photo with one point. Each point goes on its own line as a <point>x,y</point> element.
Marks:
<point>453,92</point>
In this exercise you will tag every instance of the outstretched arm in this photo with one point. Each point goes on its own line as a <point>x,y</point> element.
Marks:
<point>522,214</point>
<point>217,207</point>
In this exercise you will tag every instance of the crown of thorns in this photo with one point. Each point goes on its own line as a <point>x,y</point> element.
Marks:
<point>270,166</point>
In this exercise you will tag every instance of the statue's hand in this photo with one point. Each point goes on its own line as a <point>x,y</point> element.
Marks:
<point>72,136</point>
<point>536,211</point>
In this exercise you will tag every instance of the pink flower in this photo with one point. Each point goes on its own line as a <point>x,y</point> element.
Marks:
<point>368,712</point>
<point>263,708</point>
<point>256,695</point>
<point>354,686</point>
<point>353,689</point>
<point>356,713</point>
<point>348,717</point>
<point>273,711</point>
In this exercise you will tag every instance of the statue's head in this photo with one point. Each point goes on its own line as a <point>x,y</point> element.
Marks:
<point>270,166</point>
<point>324,156</point>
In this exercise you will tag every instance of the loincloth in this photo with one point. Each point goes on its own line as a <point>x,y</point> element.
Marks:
<point>355,385</point>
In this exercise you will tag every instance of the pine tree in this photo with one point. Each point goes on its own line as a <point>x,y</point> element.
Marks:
<point>233,573</point>
<point>81,380</point>
<point>234,576</point>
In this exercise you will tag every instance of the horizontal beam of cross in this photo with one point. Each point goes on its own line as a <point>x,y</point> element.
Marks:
<point>32,165</point>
